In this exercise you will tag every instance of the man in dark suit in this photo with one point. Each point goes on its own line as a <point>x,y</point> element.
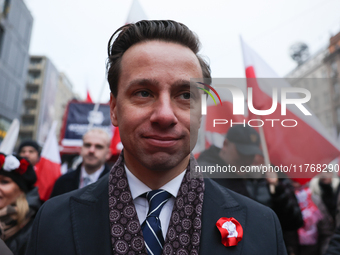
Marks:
<point>95,151</point>
<point>152,201</point>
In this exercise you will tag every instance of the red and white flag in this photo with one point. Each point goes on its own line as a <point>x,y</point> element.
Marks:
<point>116,145</point>
<point>48,168</point>
<point>306,143</point>
<point>88,97</point>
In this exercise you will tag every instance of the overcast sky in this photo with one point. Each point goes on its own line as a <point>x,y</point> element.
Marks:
<point>74,33</point>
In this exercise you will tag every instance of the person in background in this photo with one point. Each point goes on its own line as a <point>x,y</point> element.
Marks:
<point>325,189</point>
<point>30,150</point>
<point>241,148</point>
<point>17,178</point>
<point>334,244</point>
<point>95,151</point>
<point>308,234</point>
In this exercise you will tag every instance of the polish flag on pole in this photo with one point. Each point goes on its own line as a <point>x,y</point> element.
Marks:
<point>136,13</point>
<point>116,145</point>
<point>48,168</point>
<point>306,143</point>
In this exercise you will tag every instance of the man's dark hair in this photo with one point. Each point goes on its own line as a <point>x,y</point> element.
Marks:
<point>31,143</point>
<point>148,30</point>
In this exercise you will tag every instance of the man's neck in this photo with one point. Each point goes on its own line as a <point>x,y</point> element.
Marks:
<point>91,170</point>
<point>155,179</point>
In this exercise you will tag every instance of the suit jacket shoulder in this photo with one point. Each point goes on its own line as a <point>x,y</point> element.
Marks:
<point>70,181</point>
<point>66,182</point>
<point>73,223</point>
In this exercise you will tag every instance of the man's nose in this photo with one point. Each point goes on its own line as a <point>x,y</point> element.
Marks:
<point>92,148</point>
<point>163,113</point>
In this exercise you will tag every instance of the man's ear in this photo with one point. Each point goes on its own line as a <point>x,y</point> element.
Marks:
<point>113,110</point>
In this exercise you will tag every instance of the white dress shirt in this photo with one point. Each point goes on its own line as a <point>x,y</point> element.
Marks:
<point>142,206</point>
<point>92,177</point>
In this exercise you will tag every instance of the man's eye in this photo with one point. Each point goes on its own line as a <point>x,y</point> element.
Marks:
<point>143,93</point>
<point>186,96</point>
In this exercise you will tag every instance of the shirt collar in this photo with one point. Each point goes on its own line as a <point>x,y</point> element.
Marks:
<point>138,188</point>
<point>94,176</point>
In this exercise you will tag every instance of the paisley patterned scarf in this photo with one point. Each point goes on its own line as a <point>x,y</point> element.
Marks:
<point>184,231</point>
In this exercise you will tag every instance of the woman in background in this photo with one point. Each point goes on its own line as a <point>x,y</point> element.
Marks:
<point>17,178</point>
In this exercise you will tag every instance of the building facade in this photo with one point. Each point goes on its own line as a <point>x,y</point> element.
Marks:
<point>15,33</point>
<point>46,95</point>
<point>319,74</point>
<point>64,95</point>
<point>332,62</point>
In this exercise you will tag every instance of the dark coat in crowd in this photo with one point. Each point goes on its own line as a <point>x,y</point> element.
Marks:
<point>325,198</point>
<point>70,181</point>
<point>334,244</point>
<point>4,249</point>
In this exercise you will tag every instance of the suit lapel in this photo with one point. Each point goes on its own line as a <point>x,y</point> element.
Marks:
<point>89,214</point>
<point>76,180</point>
<point>218,203</point>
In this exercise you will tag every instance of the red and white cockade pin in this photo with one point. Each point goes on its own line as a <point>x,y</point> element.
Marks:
<point>231,231</point>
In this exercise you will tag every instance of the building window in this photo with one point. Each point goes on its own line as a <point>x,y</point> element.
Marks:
<point>26,136</point>
<point>32,90</point>
<point>33,76</point>
<point>35,62</point>
<point>28,121</point>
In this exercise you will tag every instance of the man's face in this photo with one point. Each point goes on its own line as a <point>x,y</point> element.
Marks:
<point>231,156</point>
<point>152,108</point>
<point>31,154</point>
<point>95,150</point>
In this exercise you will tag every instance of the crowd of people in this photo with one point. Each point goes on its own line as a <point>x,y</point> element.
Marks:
<point>152,201</point>
<point>307,213</point>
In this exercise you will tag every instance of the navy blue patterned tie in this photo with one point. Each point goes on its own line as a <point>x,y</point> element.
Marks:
<point>151,227</point>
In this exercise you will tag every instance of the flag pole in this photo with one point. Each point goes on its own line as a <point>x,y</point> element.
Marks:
<point>269,175</point>
<point>97,104</point>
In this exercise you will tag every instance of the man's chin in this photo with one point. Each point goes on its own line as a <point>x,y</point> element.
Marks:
<point>91,165</point>
<point>162,161</point>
